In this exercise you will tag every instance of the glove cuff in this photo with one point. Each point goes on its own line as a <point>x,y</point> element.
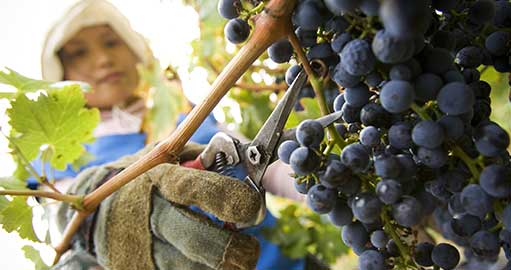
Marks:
<point>241,250</point>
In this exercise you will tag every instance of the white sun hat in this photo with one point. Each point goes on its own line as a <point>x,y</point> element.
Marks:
<point>83,14</point>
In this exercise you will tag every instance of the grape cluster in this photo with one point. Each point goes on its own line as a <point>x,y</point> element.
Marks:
<point>415,146</point>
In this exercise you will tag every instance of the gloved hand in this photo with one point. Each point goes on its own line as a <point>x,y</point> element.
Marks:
<point>146,224</point>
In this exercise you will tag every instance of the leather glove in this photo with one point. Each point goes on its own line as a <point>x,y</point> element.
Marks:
<point>147,224</point>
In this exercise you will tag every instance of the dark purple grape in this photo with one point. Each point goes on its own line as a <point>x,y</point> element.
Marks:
<point>397,96</point>
<point>354,235</point>
<point>386,166</point>
<point>304,160</point>
<point>389,191</point>
<point>437,61</point>
<point>433,158</point>
<point>371,260</point>
<point>341,214</point>
<point>453,76</point>
<point>476,201</point>
<point>280,51</point>
<point>344,78</point>
<point>350,114</point>
<point>452,125</point>
<point>357,96</point>
<point>455,98</point>
<point>445,256</point>
<point>310,133</point>
<point>321,199</point>
<point>336,174</point>
<point>229,8</point>
<point>428,133</point>
<point>370,136</point>
<point>407,212</point>
<point>465,225</point>
<point>340,41</point>
<point>469,57</point>
<point>497,43</point>
<point>356,157</point>
<point>370,7</point>
<point>308,15</point>
<point>366,207</point>
<point>491,139</point>
<point>482,11</point>
<point>401,72</point>
<point>485,244</point>
<point>236,30</point>
<point>339,102</point>
<point>357,57</point>
<point>307,38</point>
<point>338,7</point>
<point>391,50</point>
<point>423,254</point>
<point>427,86</point>
<point>495,179</point>
<point>285,150</point>
<point>405,19</point>
<point>400,135</point>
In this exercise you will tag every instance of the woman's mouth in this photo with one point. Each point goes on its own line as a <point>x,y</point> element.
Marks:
<point>112,77</point>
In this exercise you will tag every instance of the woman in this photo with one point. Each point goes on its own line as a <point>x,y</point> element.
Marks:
<point>94,43</point>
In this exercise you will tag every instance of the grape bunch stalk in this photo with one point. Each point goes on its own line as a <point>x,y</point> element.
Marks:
<point>415,147</point>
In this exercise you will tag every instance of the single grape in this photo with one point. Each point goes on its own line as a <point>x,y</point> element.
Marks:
<point>495,179</point>
<point>445,256</point>
<point>304,160</point>
<point>371,260</point>
<point>455,98</point>
<point>350,114</point>
<point>433,158</point>
<point>379,239</point>
<point>400,135</point>
<point>452,125</point>
<point>370,136</point>
<point>428,133</point>
<point>307,38</point>
<point>373,114</point>
<point>389,49</point>
<point>341,214</point>
<point>423,254</point>
<point>229,8</point>
<point>280,51</point>
<point>351,187</point>
<point>373,79</point>
<point>401,72</point>
<point>308,15</point>
<point>485,244</point>
<point>337,25</point>
<point>321,199</point>
<point>465,225</point>
<point>476,201</point>
<point>482,11</point>
<point>354,235</point>
<point>471,75</point>
<point>397,96</point>
<point>338,7</point>
<point>357,57</point>
<point>491,139</point>
<point>497,43</point>
<point>405,19</point>
<point>469,57</point>
<point>236,30</point>
<point>366,207</point>
<point>427,86</point>
<point>285,150</point>
<point>370,7</point>
<point>358,95</point>
<point>310,133</point>
<point>336,174</point>
<point>355,156</point>
<point>437,61</point>
<point>386,166</point>
<point>344,78</point>
<point>339,41</point>
<point>407,212</point>
<point>389,191</point>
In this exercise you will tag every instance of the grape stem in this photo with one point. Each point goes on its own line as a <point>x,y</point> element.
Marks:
<point>471,163</point>
<point>316,86</point>
<point>74,200</point>
<point>420,111</point>
<point>390,230</point>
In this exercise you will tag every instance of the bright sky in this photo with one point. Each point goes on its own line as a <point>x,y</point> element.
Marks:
<point>167,24</point>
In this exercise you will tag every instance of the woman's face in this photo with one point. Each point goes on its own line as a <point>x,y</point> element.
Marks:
<point>99,57</point>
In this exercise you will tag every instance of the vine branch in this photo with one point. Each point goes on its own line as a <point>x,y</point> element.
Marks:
<point>75,200</point>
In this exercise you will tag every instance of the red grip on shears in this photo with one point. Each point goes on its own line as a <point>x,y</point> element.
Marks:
<point>194,164</point>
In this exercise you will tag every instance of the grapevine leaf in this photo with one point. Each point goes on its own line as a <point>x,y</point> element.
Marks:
<point>82,160</point>
<point>58,119</point>
<point>311,111</point>
<point>17,216</point>
<point>33,254</point>
<point>168,101</point>
<point>11,182</point>
<point>20,82</point>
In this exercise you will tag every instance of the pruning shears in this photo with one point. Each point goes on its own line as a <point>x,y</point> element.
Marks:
<point>225,151</point>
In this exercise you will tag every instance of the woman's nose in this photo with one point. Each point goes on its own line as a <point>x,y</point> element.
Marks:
<point>102,58</point>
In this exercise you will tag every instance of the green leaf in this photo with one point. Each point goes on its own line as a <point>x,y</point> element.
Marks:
<point>17,216</point>
<point>311,111</point>
<point>58,119</point>
<point>11,182</point>
<point>168,101</point>
<point>33,254</point>
<point>84,159</point>
<point>20,82</point>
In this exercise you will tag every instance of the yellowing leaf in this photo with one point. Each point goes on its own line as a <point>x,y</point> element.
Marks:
<point>20,82</point>
<point>58,119</point>
<point>17,216</point>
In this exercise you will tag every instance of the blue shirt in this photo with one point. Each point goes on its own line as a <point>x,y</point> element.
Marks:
<point>110,148</point>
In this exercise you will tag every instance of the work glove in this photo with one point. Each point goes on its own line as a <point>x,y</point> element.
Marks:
<point>147,223</point>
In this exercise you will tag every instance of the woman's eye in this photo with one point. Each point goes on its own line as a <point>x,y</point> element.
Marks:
<point>77,53</point>
<point>110,43</point>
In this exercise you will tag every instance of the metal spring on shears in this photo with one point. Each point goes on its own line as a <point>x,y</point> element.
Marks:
<point>222,166</point>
